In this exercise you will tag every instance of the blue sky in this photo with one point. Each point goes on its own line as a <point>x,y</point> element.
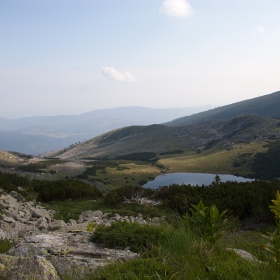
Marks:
<point>73,56</point>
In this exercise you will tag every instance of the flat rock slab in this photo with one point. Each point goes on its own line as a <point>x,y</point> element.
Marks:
<point>69,253</point>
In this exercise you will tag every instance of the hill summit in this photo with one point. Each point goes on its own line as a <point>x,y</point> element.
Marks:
<point>267,106</point>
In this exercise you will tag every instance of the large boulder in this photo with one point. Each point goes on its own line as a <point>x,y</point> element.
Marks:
<point>88,216</point>
<point>38,213</point>
<point>27,268</point>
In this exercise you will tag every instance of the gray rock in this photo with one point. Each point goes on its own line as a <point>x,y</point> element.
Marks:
<point>37,213</point>
<point>8,219</point>
<point>17,196</point>
<point>3,234</point>
<point>42,223</point>
<point>27,268</point>
<point>3,205</point>
<point>69,252</point>
<point>72,222</point>
<point>89,216</point>
<point>245,255</point>
<point>57,225</point>
<point>117,217</point>
<point>8,213</point>
<point>66,251</point>
<point>21,213</point>
<point>7,199</point>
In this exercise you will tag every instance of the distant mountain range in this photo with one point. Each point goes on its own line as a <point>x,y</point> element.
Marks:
<point>38,134</point>
<point>250,120</point>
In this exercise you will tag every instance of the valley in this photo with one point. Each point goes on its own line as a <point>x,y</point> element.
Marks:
<point>137,154</point>
<point>91,193</point>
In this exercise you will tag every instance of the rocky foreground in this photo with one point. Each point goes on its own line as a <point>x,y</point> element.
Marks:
<point>47,248</point>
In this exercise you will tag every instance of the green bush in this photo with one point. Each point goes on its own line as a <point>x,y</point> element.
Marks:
<point>65,189</point>
<point>241,199</point>
<point>266,165</point>
<point>115,197</point>
<point>5,245</point>
<point>144,156</point>
<point>133,235</point>
<point>206,221</point>
<point>10,182</point>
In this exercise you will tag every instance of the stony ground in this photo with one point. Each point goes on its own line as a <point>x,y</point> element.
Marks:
<point>46,248</point>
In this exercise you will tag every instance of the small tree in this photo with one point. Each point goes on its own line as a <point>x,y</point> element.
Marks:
<point>217,179</point>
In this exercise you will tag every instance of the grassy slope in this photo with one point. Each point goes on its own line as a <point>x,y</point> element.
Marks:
<point>7,158</point>
<point>267,105</point>
<point>215,160</point>
<point>228,147</point>
<point>159,138</point>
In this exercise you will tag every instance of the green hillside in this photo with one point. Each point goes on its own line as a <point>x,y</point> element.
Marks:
<point>7,158</point>
<point>164,139</point>
<point>267,106</point>
<point>234,146</point>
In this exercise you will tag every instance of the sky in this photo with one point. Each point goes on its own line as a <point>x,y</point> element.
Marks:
<point>62,57</point>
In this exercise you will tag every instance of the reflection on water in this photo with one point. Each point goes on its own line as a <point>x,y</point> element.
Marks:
<point>191,178</point>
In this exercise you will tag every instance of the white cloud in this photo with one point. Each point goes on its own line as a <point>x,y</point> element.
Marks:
<point>261,29</point>
<point>128,76</point>
<point>112,74</point>
<point>176,8</point>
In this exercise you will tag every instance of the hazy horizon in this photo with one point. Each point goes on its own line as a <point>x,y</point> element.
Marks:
<point>13,115</point>
<point>68,57</point>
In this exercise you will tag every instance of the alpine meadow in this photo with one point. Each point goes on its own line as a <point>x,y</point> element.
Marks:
<point>139,140</point>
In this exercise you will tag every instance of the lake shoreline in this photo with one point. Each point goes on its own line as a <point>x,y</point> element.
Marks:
<point>188,178</point>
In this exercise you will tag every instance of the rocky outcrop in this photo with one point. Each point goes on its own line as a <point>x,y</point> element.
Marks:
<point>54,247</point>
<point>68,254</point>
<point>21,218</point>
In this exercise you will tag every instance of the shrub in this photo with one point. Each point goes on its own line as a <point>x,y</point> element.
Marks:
<point>91,226</point>
<point>116,196</point>
<point>133,235</point>
<point>206,221</point>
<point>142,182</point>
<point>144,156</point>
<point>65,189</point>
<point>241,199</point>
<point>5,245</point>
<point>10,182</point>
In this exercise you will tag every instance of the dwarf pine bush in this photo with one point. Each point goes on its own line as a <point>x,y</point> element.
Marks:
<point>133,235</point>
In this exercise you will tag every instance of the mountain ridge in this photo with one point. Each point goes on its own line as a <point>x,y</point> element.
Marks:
<point>160,138</point>
<point>39,134</point>
<point>266,105</point>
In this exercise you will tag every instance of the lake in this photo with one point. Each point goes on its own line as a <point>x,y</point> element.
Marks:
<point>191,178</point>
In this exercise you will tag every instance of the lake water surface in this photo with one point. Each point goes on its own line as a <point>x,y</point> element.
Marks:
<point>191,178</point>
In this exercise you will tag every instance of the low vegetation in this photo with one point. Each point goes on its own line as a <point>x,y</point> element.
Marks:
<point>182,252</point>
<point>200,224</point>
<point>41,166</point>
<point>267,164</point>
<point>5,245</point>
<point>136,237</point>
<point>65,190</point>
